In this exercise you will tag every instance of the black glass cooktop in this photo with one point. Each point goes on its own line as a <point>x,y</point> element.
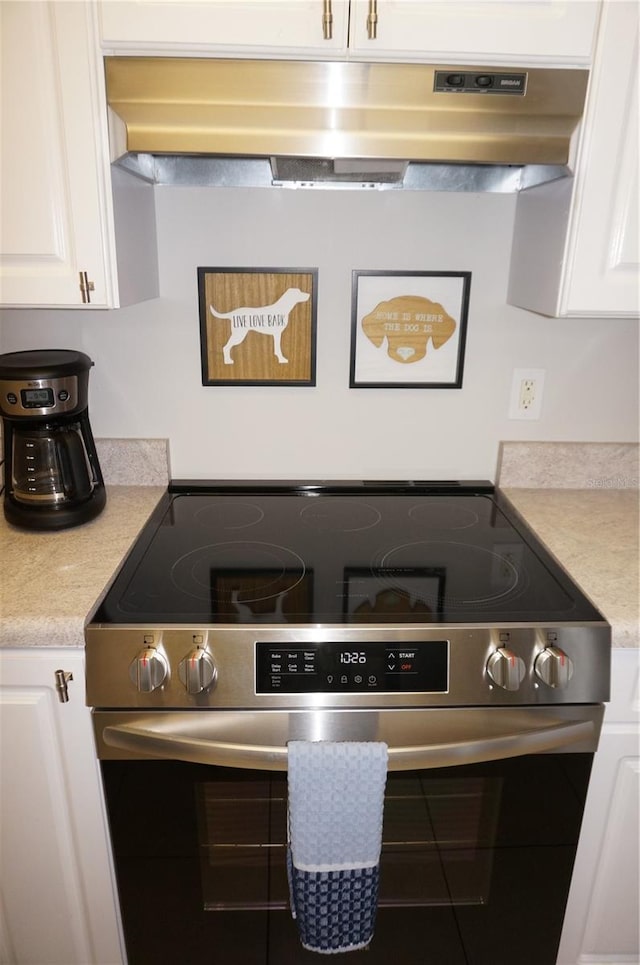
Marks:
<point>351,554</point>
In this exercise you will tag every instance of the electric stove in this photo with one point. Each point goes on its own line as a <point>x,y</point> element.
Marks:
<point>423,615</point>
<point>242,594</point>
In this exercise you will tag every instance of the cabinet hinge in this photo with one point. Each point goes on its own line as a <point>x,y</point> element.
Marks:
<point>62,679</point>
<point>86,287</point>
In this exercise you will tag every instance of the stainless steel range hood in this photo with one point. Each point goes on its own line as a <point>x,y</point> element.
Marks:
<point>343,124</point>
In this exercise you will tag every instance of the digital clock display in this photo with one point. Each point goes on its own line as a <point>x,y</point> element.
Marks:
<point>37,398</point>
<point>336,668</point>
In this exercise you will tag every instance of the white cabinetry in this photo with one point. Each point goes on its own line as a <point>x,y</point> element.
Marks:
<point>481,31</point>
<point>59,219</point>
<point>270,26</point>
<point>576,241</point>
<point>601,923</point>
<point>57,900</point>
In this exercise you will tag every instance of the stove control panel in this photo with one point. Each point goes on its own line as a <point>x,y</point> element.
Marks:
<point>181,667</point>
<point>355,668</point>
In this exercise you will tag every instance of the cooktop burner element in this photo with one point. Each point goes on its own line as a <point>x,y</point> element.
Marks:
<point>218,575</point>
<point>340,515</point>
<point>336,557</point>
<point>229,515</point>
<point>441,515</point>
<point>488,576</point>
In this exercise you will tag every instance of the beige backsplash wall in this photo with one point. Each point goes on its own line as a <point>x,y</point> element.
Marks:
<point>146,381</point>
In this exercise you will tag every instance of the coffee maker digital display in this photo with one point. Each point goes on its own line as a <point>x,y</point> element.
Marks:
<point>52,474</point>
<point>36,398</point>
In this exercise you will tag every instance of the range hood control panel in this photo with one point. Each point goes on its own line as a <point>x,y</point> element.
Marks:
<point>475,82</point>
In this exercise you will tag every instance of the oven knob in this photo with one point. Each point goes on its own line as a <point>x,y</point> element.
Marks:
<point>554,667</point>
<point>506,669</point>
<point>197,671</point>
<point>149,670</point>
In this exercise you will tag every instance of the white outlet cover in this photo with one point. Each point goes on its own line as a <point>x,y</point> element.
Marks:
<point>516,411</point>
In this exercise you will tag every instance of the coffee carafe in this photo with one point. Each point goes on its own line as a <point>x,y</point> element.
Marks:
<point>52,475</point>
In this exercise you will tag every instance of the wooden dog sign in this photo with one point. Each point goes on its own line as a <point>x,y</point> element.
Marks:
<point>257,326</point>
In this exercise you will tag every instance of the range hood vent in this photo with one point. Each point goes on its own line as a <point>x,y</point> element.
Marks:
<point>342,124</point>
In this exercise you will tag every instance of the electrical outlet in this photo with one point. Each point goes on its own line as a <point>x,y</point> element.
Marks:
<point>526,394</point>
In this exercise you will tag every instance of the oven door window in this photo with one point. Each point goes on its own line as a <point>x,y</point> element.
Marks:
<point>467,855</point>
<point>437,841</point>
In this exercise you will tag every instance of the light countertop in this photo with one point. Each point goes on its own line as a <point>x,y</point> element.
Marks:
<point>50,581</point>
<point>593,533</point>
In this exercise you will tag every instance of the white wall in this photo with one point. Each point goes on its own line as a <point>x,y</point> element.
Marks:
<point>147,383</point>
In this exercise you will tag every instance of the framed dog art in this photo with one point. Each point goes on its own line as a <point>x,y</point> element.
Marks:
<point>408,329</point>
<point>258,325</point>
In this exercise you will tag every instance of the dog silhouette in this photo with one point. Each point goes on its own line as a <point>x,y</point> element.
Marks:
<point>267,320</point>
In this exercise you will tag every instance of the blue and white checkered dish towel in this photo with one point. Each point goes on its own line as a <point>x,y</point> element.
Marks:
<point>336,800</point>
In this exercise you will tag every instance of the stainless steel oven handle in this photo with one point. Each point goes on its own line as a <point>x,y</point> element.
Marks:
<point>416,739</point>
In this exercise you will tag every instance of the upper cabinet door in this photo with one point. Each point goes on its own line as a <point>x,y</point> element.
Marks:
<point>576,248</point>
<point>50,189</point>
<point>277,27</point>
<point>61,210</point>
<point>473,30</point>
<point>480,31</point>
<point>603,272</point>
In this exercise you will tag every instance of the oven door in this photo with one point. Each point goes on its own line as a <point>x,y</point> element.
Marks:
<point>481,822</point>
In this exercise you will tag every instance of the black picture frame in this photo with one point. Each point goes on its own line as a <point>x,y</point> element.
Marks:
<point>408,329</point>
<point>256,326</point>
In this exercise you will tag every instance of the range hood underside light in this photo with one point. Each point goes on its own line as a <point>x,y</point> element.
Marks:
<point>318,173</point>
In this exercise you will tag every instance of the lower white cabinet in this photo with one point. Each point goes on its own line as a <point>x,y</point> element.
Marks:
<point>58,903</point>
<point>601,925</point>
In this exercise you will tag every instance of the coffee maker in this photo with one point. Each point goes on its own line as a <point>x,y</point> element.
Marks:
<point>51,472</point>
